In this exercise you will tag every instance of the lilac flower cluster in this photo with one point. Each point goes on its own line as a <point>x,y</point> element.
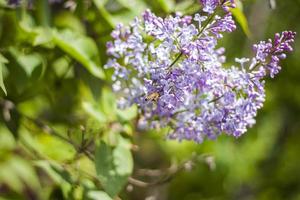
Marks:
<point>172,69</point>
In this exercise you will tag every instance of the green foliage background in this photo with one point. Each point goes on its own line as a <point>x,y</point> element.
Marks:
<point>62,137</point>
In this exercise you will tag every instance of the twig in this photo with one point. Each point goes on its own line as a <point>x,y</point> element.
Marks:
<point>165,175</point>
<point>8,105</point>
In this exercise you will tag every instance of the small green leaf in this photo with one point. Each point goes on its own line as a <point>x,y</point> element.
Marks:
<point>7,141</point>
<point>57,174</point>
<point>3,61</point>
<point>28,62</point>
<point>108,103</point>
<point>59,151</point>
<point>18,174</point>
<point>98,195</point>
<point>43,36</point>
<point>135,6</point>
<point>103,12</point>
<point>113,165</point>
<point>3,3</point>
<point>100,2</point>
<point>94,111</point>
<point>127,114</point>
<point>68,20</point>
<point>167,5</point>
<point>82,49</point>
<point>184,5</point>
<point>241,18</point>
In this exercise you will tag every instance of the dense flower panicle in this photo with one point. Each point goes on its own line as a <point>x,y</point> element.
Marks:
<point>269,54</point>
<point>173,70</point>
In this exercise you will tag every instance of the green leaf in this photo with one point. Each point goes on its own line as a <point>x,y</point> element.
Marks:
<point>127,114</point>
<point>108,103</point>
<point>18,173</point>
<point>184,5</point>
<point>68,20</point>
<point>130,9</point>
<point>241,18</point>
<point>82,49</point>
<point>94,111</point>
<point>3,60</point>
<point>98,195</point>
<point>3,3</point>
<point>59,151</point>
<point>167,5</point>
<point>100,2</point>
<point>135,6</point>
<point>43,36</point>
<point>57,174</point>
<point>113,165</point>
<point>34,34</point>
<point>7,141</point>
<point>103,12</point>
<point>28,62</point>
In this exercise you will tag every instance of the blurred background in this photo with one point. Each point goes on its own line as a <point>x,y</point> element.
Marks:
<point>62,137</point>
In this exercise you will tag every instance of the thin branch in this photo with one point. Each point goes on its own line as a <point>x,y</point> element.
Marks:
<point>165,175</point>
<point>8,105</point>
<point>53,132</point>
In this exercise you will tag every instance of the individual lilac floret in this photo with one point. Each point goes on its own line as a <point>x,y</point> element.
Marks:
<point>173,69</point>
<point>210,6</point>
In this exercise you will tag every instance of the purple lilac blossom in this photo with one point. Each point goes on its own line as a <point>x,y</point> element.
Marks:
<point>18,2</point>
<point>13,2</point>
<point>172,69</point>
<point>210,6</point>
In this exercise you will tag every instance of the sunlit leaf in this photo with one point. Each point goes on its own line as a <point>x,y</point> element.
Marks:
<point>166,5</point>
<point>3,3</point>
<point>43,36</point>
<point>81,48</point>
<point>108,103</point>
<point>49,146</point>
<point>113,165</point>
<point>57,174</point>
<point>98,195</point>
<point>127,114</point>
<point>7,141</point>
<point>3,60</point>
<point>59,150</point>
<point>28,62</point>
<point>185,5</point>
<point>104,13</point>
<point>241,18</point>
<point>94,111</point>
<point>135,6</point>
<point>70,21</point>
<point>18,173</point>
